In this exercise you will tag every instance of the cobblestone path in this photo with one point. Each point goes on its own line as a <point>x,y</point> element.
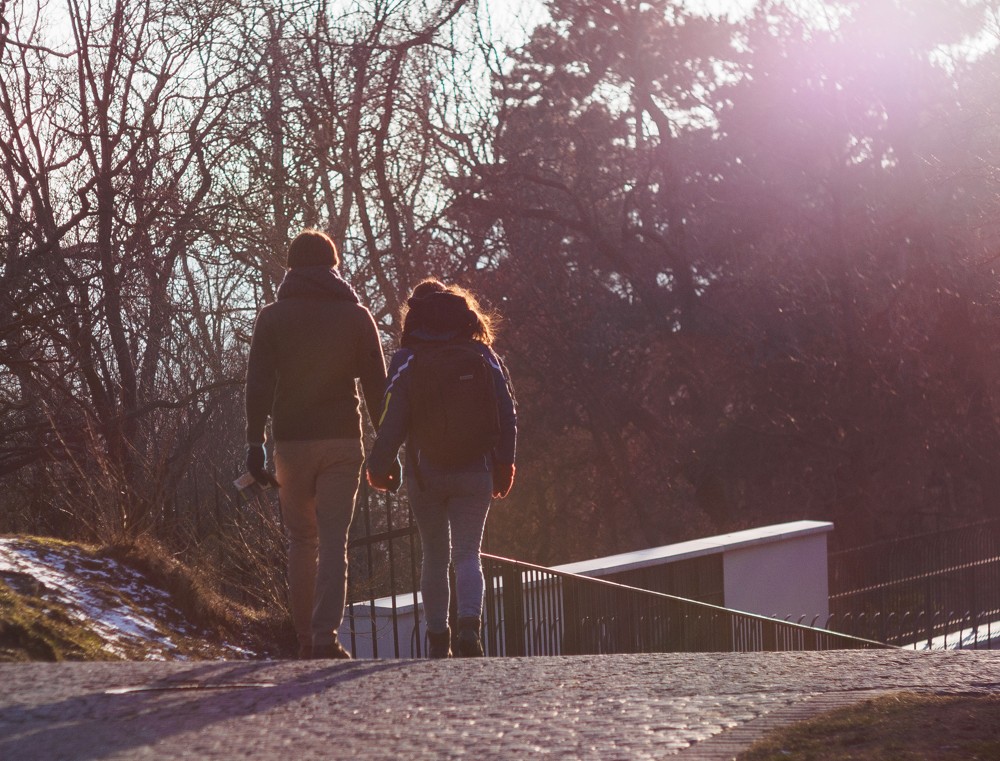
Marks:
<point>694,706</point>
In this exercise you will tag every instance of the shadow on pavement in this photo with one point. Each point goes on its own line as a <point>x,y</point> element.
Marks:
<point>121,717</point>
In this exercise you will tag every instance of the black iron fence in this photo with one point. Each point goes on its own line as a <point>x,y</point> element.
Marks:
<point>382,615</point>
<point>933,590</point>
<point>936,590</point>
<point>939,589</point>
<point>532,610</point>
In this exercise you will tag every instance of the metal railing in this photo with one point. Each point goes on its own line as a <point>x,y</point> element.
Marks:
<point>931,590</point>
<point>921,590</point>
<point>927,591</point>
<point>382,553</point>
<point>920,630</point>
<point>533,610</point>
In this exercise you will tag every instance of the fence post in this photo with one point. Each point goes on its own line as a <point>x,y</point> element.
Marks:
<point>513,610</point>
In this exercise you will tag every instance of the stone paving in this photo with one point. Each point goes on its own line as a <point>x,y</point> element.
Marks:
<point>696,706</point>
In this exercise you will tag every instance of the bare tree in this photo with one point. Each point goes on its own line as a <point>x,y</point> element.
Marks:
<point>351,128</point>
<point>109,167</point>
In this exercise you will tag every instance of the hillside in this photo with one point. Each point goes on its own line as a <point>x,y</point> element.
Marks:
<point>66,601</point>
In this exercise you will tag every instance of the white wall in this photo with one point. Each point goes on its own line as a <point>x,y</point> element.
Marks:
<point>785,577</point>
<point>364,639</point>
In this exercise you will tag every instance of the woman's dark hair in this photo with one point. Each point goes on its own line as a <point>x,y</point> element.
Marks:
<point>438,308</point>
<point>425,288</point>
<point>484,328</point>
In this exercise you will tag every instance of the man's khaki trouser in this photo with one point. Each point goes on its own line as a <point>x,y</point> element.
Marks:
<point>319,483</point>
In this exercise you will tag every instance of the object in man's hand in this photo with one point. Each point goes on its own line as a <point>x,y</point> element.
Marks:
<point>249,487</point>
<point>257,466</point>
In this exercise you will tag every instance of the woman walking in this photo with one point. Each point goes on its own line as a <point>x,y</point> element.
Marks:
<point>460,445</point>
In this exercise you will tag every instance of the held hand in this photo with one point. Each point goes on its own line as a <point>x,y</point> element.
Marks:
<point>386,481</point>
<point>503,479</point>
<point>381,482</point>
<point>257,466</point>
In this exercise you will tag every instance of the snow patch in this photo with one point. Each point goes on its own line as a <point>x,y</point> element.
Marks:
<point>114,601</point>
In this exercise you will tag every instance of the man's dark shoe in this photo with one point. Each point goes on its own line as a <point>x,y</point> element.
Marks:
<point>439,644</point>
<point>469,643</point>
<point>334,650</point>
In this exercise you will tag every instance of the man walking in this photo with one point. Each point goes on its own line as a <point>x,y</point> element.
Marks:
<point>307,351</point>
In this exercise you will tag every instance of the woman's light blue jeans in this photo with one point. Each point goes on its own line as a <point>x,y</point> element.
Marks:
<point>451,514</point>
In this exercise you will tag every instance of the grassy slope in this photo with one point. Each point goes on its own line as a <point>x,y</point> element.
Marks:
<point>36,626</point>
<point>898,727</point>
<point>32,629</point>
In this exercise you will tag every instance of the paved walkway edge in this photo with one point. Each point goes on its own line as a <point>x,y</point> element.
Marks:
<point>730,743</point>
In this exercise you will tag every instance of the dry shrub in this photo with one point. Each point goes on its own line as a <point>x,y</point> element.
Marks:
<point>264,630</point>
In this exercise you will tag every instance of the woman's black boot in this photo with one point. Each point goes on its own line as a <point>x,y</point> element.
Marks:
<point>439,644</point>
<point>470,644</point>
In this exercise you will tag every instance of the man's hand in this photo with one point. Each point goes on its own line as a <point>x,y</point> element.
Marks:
<point>257,465</point>
<point>387,481</point>
<point>503,479</point>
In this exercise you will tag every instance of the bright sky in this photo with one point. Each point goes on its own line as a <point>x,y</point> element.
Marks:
<point>521,16</point>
